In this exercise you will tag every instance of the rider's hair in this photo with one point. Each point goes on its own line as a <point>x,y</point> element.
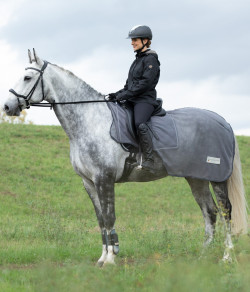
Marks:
<point>148,43</point>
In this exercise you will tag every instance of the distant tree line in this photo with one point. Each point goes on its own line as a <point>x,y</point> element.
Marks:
<point>22,119</point>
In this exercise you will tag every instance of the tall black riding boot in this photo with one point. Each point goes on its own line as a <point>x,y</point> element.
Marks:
<point>147,147</point>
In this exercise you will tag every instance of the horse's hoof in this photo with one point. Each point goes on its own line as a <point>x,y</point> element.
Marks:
<point>109,264</point>
<point>100,264</point>
<point>227,259</point>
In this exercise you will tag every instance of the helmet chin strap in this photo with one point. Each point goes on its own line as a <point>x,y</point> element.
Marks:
<point>143,46</point>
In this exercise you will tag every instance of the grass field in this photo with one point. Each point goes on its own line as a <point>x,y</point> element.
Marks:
<point>50,241</point>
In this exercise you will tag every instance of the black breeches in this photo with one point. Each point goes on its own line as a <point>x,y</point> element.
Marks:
<point>142,113</point>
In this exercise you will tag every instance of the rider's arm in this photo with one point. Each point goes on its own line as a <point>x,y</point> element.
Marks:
<point>150,74</point>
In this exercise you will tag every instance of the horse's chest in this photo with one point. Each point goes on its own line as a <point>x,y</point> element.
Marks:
<point>79,160</point>
<point>86,159</point>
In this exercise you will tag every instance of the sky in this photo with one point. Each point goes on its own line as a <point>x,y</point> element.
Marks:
<point>203,47</point>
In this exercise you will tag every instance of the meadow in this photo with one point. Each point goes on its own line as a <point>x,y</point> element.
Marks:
<point>50,240</point>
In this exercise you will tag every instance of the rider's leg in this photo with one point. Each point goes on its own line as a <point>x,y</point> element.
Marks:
<point>142,113</point>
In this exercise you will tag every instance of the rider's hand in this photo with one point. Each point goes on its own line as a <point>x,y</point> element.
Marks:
<point>111,96</point>
<point>121,97</point>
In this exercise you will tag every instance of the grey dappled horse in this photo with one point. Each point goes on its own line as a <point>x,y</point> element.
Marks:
<point>99,160</point>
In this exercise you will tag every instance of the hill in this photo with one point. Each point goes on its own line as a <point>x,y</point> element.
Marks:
<point>50,240</point>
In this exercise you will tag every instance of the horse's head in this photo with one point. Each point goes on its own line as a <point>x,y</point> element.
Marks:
<point>29,88</point>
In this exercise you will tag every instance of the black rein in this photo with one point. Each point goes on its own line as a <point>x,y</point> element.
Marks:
<point>51,104</point>
<point>48,104</point>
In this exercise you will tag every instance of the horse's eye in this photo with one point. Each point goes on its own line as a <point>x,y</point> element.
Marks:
<point>26,78</point>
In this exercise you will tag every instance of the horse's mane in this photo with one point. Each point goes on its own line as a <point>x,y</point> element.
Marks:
<point>86,85</point>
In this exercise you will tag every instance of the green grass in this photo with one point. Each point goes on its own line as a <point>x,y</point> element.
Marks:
<point>50,241</point>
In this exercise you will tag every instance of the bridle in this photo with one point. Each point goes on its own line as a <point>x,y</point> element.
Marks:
<point>29,95</point>
<point>48,104</point>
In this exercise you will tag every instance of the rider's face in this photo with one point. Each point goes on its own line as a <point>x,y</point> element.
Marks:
<point>137,44</point>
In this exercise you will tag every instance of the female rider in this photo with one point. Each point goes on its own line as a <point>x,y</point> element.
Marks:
<point>139,90</point>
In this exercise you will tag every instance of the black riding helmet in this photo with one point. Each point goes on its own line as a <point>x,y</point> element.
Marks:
<point>140,31</point>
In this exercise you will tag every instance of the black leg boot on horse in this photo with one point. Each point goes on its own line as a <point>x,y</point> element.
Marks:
<point>147,147</point>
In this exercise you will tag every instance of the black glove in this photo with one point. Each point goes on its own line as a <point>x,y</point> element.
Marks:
<point>112,96</point>
<point>121,97</point>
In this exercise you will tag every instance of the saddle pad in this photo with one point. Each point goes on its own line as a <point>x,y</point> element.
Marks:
<point>123,131</point>
<point>191,142</point>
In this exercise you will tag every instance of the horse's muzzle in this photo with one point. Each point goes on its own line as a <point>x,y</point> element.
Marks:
<point>11,107</point>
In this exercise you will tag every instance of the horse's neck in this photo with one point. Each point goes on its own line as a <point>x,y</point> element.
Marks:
<point>78,120</point>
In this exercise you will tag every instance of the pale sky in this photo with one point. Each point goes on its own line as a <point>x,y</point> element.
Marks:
<point>203,47</point>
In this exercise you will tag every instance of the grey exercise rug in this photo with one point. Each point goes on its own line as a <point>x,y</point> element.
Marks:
<point>191,142</point>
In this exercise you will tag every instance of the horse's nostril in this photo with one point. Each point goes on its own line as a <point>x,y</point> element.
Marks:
<point>6,108</point>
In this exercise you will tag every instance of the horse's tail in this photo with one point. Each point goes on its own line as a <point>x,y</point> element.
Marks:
<point>236,195</point>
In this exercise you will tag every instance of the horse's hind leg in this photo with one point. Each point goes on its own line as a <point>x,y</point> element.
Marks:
<point>203,196</point>
<point>225,208</point>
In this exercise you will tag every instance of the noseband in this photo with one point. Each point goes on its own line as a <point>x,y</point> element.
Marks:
<point>29,95</point>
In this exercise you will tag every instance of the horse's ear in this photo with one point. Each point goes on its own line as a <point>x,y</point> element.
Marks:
<point>34,53</point>
<point>30,58</point>
<point>36,58</point>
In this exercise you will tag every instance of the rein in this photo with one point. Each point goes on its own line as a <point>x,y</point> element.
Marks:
<point>51,104</point>
<point>48,104</point>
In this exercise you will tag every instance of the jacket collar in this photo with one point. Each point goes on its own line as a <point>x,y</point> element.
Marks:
<point>141,54</point>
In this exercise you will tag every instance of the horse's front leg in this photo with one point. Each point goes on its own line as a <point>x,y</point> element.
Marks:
<point>105,189</point>
<point>91,190</point>
<point>102,197</point>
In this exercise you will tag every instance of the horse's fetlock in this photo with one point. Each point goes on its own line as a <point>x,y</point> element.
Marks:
<point>112,239</point>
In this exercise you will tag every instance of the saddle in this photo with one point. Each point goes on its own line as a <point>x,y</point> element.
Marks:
<point>191,142</point>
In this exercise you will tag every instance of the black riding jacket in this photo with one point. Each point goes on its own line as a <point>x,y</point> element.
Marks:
<point>142,79</point>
